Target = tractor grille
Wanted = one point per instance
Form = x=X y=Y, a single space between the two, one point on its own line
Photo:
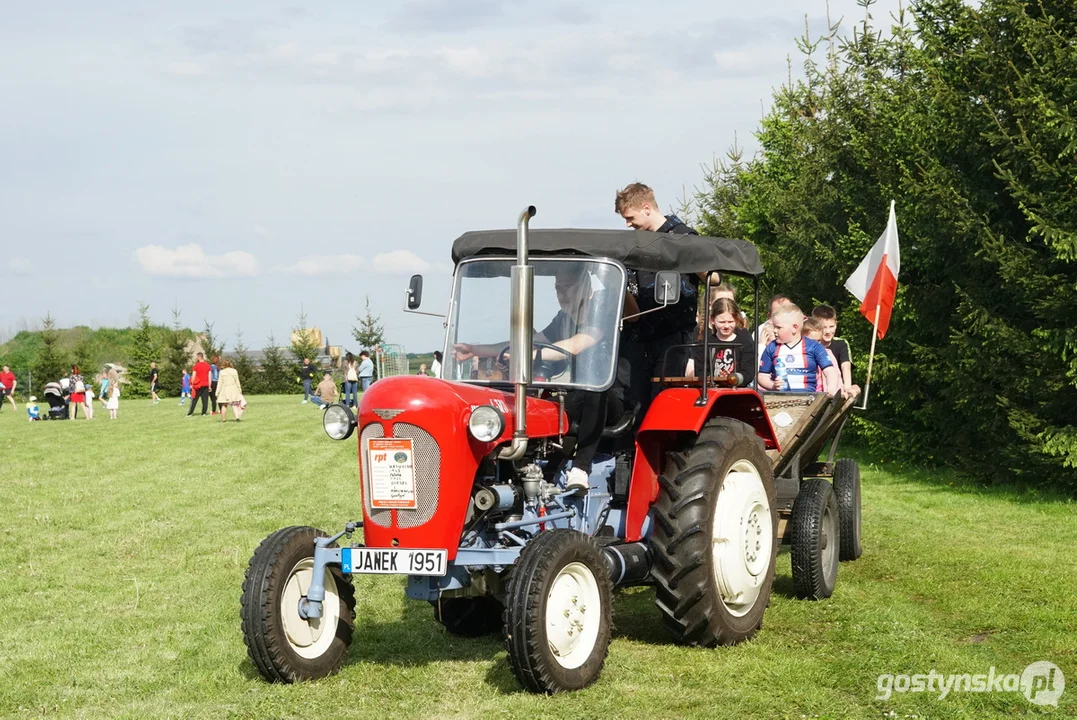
x=427 y=465
x=378 y=517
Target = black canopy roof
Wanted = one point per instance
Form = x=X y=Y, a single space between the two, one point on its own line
x=636 y=249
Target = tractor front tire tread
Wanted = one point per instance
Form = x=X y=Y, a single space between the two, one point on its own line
x=263 y=633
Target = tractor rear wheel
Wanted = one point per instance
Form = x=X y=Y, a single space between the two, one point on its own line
x=816 y=539
x=714 y=538
x=847 y=488
x=283 y=645
x=469 y=616
x=557 y=612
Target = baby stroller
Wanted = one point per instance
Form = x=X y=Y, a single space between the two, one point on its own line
x=57 y=400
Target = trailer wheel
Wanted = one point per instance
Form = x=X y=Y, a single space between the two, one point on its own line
x=557 y=612
x=816 y=539
x=284 y=646
x=469 y=616
x=847 y=488
x=714 y=539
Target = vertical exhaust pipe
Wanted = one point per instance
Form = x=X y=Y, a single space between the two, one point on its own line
x=520 y=339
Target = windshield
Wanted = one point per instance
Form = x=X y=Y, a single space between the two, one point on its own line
x=578 y=306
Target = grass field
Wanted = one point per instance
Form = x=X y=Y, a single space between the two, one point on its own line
x=124 y=546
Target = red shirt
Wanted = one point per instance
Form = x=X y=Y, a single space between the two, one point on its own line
x=200 y=377
x=7 y=379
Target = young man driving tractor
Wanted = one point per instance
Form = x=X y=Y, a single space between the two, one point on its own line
x=574 y=344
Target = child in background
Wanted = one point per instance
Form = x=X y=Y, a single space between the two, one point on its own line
x=102 y=394
x=113 y=400
x=185 y=388
x=32 y=409
x=828 y=323
x=89 y=401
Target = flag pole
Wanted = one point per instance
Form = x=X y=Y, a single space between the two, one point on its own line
x=871 y=355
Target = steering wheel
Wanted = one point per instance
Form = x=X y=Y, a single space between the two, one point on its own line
x=542 y=368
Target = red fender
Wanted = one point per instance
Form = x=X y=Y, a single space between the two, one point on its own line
x=675 y=411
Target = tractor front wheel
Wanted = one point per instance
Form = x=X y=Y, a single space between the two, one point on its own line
x=282 y=644
x=714 y=538
x=557 y=612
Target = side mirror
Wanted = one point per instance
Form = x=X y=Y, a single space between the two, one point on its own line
x=667 y=288
x=415 y=292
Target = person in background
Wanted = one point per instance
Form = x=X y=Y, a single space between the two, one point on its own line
x=325 y=393
x=153 y=383
x=229 y=392
x=366 y=370
x=78 y=391
x=102 y=392
x=422 y=370
x=214 y=377
x=200 y=384
x=185 y=386
x=7 y=388
x=113 y=404
x=827 y=317
x=32 y=409
x=88 y=404
x=351 y=380
x=306 y=375
x=435 y=367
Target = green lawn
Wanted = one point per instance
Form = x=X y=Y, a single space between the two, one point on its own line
x=124 y=546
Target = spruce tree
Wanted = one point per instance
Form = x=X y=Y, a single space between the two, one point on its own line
x=370 y=333
x=249 y=376
x=304 y=342
x=177 y=357
x=276 y=372
x=145 y=352
x=52 y=363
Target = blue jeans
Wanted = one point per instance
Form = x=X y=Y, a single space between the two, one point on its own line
x=350 y=390
x=366 y=382
x=306 y=389
x=318 y=401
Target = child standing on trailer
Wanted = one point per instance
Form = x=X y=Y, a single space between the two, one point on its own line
x=791 y=362
x=828 y=324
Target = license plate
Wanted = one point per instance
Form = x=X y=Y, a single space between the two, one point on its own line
x=393 y=561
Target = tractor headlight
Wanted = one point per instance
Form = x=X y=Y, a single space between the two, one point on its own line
x=486 y=423
x=338 y=421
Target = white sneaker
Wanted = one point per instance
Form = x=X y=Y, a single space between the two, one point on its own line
x=577 y=481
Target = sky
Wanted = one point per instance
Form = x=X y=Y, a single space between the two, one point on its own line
x=248 y=161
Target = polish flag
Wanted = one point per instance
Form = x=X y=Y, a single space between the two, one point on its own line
x=874 y=282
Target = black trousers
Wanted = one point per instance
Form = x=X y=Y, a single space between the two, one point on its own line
x=213 y=394
x=588 y=410
x=202 y=392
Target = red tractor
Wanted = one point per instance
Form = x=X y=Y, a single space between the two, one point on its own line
x=464 y=489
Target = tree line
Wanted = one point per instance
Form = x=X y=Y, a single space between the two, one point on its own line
x=967 y=117
x=172 y=348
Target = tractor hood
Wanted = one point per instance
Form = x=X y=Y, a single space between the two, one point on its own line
x=428 y=502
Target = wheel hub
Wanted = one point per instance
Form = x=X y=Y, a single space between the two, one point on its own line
x=572 y=615
x=742 y=534
x=308 y=637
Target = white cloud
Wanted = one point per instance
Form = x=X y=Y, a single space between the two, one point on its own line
x=184 y=68
x=325 y=264
x=403 y=262
x=191 y=261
